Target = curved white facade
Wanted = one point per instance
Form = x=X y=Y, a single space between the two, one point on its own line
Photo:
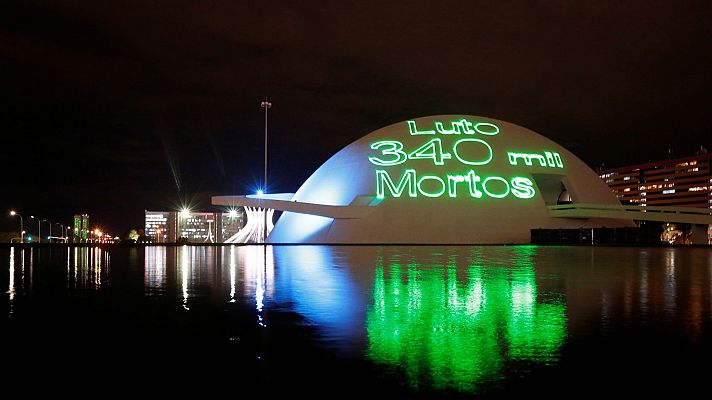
x=443 y=179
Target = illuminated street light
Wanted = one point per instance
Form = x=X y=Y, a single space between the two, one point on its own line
x=260 y=193
x=182 y=222
x=39 y=229
x=232 y=213
x=22 y=229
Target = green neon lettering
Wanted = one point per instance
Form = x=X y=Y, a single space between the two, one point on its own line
x=557 y=158
x=452 y=181
x=495 y=195
x=441 y=129
x=431 y=149
x=550 y=158
x=522 y=187
x=384 y=180
x=461 y=126
x=485 y=128
x=431 y=194
x=413 y=129
x=472 y=178
x=468 y=162
x=465 y=127
x=393 y=148
x=526 y=157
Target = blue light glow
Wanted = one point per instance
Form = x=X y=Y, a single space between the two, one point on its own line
x=300 y=228
x=260 y=192
x=319 y=289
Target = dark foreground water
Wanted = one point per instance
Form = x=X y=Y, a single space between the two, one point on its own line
x=358 y=320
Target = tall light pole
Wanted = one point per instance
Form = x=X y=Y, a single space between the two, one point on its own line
x=266 y=105
x=39 y=229
x=22 y=229
x=61 y=232
x=50 y=229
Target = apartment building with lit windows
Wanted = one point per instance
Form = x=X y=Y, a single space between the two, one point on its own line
x=679 y=182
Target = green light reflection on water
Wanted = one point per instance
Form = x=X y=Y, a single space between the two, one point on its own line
x=453 y=328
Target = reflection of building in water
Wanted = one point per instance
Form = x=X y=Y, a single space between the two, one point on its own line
x=461 y=329
x=154 y=272
x=192 y=227
x=88 y=268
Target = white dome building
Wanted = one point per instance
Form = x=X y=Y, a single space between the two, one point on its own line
x=445 y=179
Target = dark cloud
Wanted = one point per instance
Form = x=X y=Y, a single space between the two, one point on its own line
x=114 y=107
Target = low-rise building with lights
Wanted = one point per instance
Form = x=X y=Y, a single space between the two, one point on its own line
x=193 y=226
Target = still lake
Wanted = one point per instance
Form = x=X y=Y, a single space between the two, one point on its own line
x=425 y=321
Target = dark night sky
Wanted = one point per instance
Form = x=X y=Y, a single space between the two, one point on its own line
x=115 y=107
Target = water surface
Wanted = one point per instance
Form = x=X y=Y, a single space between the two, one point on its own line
x=441 y=321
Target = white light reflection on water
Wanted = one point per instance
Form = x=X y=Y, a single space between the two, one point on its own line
x=258 y=262
x=32 y=256
x=11 y=286
x=87 y=268
x=670 y=290
x=185 y=265
x=154 y=280
x=69 y=265
x=96 y=267
x=22 y=269
x=232 y=273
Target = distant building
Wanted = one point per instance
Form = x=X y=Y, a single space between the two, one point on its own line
x=161 y=226
x=81 y=227
x=679 y=182
x=193 y=226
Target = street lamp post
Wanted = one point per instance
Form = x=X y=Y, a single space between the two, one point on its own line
x=22 y=229
x=61 y=232
x=39 y=229
x=49 y=237
x=266 y=105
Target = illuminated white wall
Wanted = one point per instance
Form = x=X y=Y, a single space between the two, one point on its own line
x=433 y=215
